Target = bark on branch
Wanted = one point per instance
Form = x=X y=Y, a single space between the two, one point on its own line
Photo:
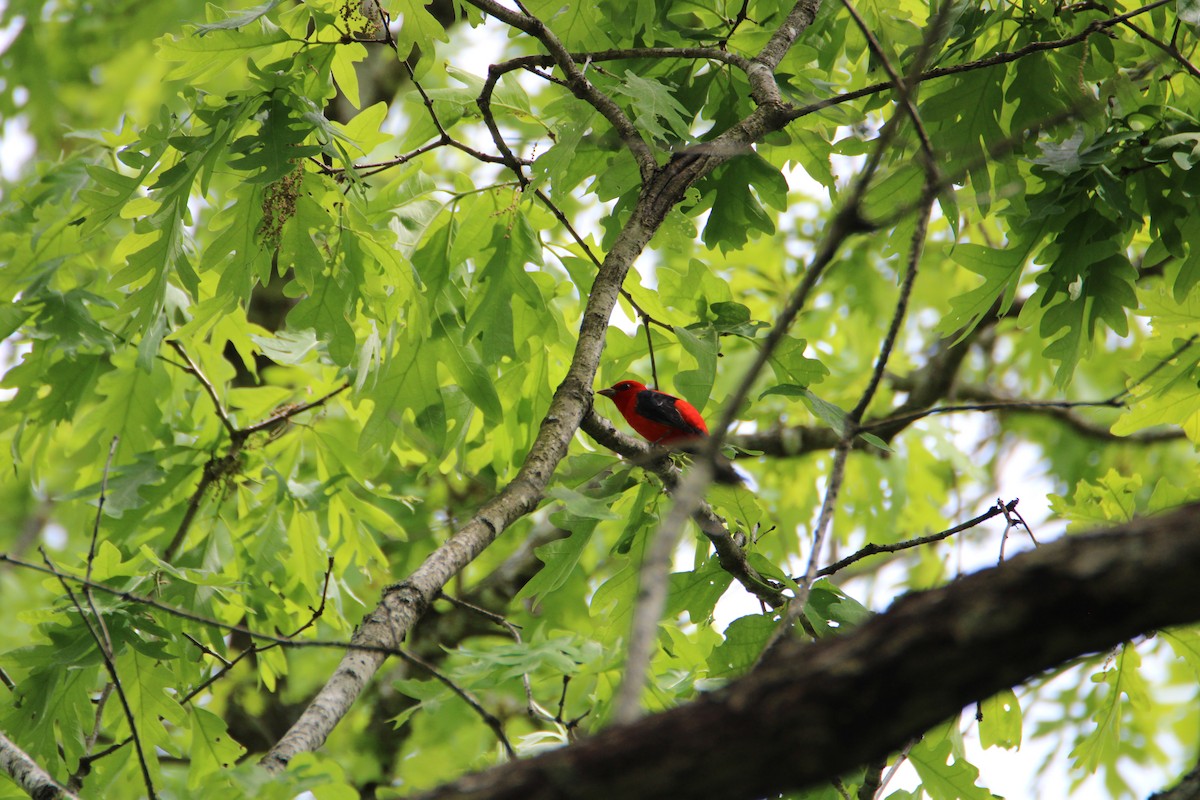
x=812 y=712
x=34 y=780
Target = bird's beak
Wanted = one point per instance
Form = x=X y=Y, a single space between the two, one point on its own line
x=607 y=392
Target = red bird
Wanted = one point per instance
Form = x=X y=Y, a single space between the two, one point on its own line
x=661 y=418
x=666 y=420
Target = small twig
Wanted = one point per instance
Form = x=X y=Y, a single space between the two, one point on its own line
x=1115 y=401
x=999 y=405
x=150 y=602
x=1081 y=425
x=217 y=468
x=1013 y=518
x=1169 y=49
x=730 y=555
x=796 y=605
x=583 y=245
x=562 y=698
x=489 y=719
x=193 y=368
x=982 y=63
x=320 y=609
x=902 y=86
x=75 y=782
x=1118 y=398
x=103 y=641
x=743 y=15
x=206 y=650
x=577 y=82
x=531 y=707
x=650 y=350
x=289 y=412
x=872 y=549
x=213 y=469
x=91 y=556
x=221 y=673
x=286 y=640
x=891 y=773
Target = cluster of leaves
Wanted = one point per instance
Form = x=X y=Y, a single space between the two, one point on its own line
x=216 y=234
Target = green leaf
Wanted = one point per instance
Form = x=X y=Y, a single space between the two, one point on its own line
x=581 y=505
x=1000 y=725
x=1117 y=690
x=53 y=709
x=1185 y=642
x=792 y=367
x=1000 y=270
x=652 y=102
x=559 y=559
x=238 y=20
x=735 y=318
x=273 y=153
x=198 y=59
x=150 y=693
x=701 y=344
x=419 y=28
x=471 y=376
x=503 y=279
x=365 y=129
x=745 y=639
x=326 y=309
x=697 y=592
x=823 y=410
x=739 y=189
x=943 y=775
x=288 y=347
x=577 y=24
x=833 y=611
x=212 y=750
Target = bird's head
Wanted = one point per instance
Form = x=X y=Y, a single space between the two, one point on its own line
x=623 y=389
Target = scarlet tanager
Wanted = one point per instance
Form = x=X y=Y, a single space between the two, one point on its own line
x=664 y=419
x=659 y=417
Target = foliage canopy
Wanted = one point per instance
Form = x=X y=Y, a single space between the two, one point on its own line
x=302 y=299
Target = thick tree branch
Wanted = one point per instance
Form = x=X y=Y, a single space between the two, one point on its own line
x=1188 y=788
x=32 y=779
x=814 y=711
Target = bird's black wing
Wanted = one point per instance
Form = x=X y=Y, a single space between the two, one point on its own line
x=661 y=408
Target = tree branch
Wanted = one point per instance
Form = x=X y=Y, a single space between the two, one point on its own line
x=731 y=556
x=814 y=711
x=576 y=81
x=983 y=63
x=26 y=773
x=872 y=549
